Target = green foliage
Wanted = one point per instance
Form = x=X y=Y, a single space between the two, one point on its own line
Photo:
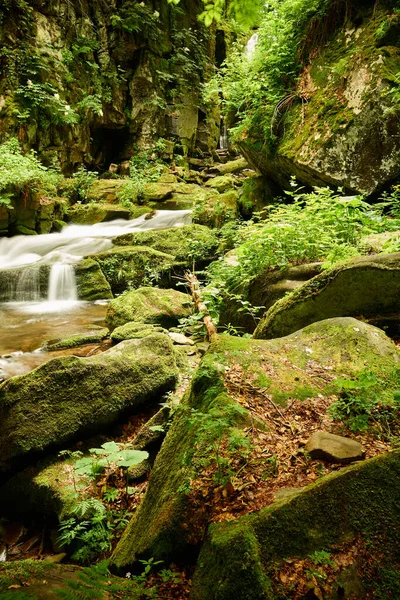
x=217 y=441
x=88 y=530
x=96 y=582
x=82 y=181
x=316 y=226
x=254 y=85
x=361 y=405
x=145 y=167
x=19 y=172
x=43 y=100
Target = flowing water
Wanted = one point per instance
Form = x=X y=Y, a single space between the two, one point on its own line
x=38 y=288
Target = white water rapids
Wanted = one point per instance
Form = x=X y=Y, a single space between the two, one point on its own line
x=40 y=302
x=76 y=241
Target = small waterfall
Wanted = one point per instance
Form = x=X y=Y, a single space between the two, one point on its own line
x=28 y=285
x=62 y=283
x=251 y=45
x=223 y=138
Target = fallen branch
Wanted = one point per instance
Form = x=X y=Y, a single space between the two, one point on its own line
x=201 y=307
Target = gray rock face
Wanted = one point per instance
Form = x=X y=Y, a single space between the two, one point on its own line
x=334 y=448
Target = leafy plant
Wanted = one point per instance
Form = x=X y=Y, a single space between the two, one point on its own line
x=88 y=529
x=362 y=405
x=217 y=440
x=23 y=173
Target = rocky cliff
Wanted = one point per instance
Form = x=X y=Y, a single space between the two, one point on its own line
x=92 y=81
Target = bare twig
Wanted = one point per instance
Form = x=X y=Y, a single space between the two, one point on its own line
x=201 y=307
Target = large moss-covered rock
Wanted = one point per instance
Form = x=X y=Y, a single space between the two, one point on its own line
x=366 y=286
x=71 y=397
x=126 y=267
x=262 y=292
x=346 y=133
x=283 y=369
x=149 y=305
x=91 y=336
x=89 y=214
x=45 y=490
x=90 y=281
x=217 y=210
x=182 y=243
x=132 y=331
x=242 y=559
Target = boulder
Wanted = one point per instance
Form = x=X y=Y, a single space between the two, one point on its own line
x=91 y=336
x=217 y=210
x=242 y=559
x=149 y=305
x=281 y=369
x=342 y=127
x=132 y=331
x=222 y=183
x=262 y=291
x=70 y=397
x=89 y=214
x=365 y=286
x=91 y=282
x=129 y=267
x=232 y=166
x=182 y=243
x=323 y=445
x=157 y=192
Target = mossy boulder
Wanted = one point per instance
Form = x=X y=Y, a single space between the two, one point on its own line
x=149 y=305
x=263 y=291
x=182 y=243
x=44 y=490
x=91 y=282
x=217 y=210
x=106 y=191
x=366 y=286
x=283 y=369
x=347 y=133
x=129 y=267
x=157 y=192
x=89 y=214
x=70 y=397
x=232 y=166
x=241 y=559
x=257 y=192
x=222 y=183
x=133 y=331
x=92 y=336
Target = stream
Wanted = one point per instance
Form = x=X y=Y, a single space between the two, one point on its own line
x=31 y=315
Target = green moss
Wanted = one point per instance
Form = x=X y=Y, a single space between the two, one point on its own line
x=70 y=397
x=365 y=286
x=182 y=243
x=360 y=500
x=127 y=268
x=149 y=305
x=91 y=282
x=81 y=339
x=89 y=214
x=48 y=489
x=21 y=570
x=166 y=525
x=132 y=330
x=217 y=210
